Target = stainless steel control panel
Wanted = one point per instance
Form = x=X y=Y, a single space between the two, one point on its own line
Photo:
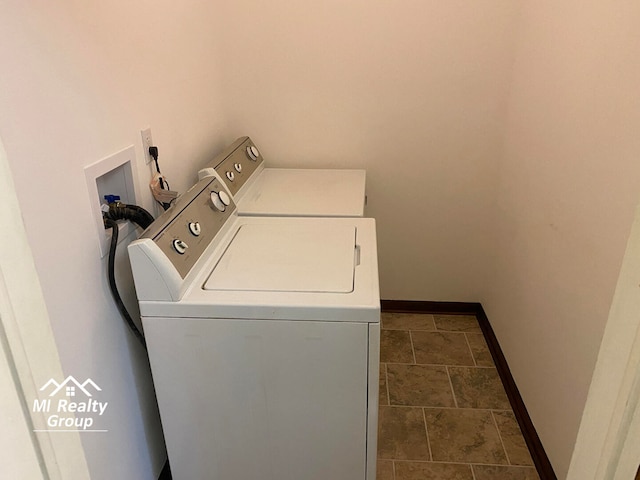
x=237 y=162
x=185 y=230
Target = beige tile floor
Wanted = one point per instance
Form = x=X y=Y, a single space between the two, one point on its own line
x=444 y=414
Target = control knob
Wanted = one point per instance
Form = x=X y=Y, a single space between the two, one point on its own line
x=179 y=246
x=230 y=175
x=220 y=200
x=195 y=229
x=253 y=153
x=238 y=167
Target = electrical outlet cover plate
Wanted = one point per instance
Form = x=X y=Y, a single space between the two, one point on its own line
x=113 y=175
x=147 y=141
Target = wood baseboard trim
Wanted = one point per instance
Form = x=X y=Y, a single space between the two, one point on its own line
x=538 y=454
x=417 y=306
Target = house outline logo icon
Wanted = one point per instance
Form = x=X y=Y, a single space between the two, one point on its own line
x=64 y=412
x=70 y=380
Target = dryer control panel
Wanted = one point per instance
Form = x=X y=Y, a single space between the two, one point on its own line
x=236 y=163
x=185 y=230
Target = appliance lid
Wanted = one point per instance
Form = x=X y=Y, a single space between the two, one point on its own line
x=305 y=192
x=288 y=258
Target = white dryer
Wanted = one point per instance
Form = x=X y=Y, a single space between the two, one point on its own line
x=263 y=336
x=261 y=191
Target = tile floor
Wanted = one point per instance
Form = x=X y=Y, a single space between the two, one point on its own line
x=444 y=414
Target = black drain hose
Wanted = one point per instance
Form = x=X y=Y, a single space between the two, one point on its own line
x=138 y=215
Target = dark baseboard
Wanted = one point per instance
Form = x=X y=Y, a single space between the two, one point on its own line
x=538 y=454
x=165 y=474
x=415 y=306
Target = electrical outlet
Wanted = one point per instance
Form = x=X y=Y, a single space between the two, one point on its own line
x=147 y=142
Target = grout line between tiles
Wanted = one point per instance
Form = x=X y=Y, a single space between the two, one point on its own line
x=441 y=365
x=501 y=440
x=453 y=392
x=386 y=383
x=398 y=329
x=450 y=408
x=413 y=350
x=475 y=362
x=433 y=322
x=393 y=469
x=426 y=430
x=452 y=462
x=473 y=472
x=524 y=467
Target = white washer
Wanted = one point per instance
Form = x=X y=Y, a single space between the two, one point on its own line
x=261 y=191
x=263 y=337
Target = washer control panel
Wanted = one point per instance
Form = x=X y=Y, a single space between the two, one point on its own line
x=185 y=230
x=237 y=162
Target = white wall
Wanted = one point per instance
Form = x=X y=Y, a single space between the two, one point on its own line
x=415 y=93
x=569 y=183
x=79 y=80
